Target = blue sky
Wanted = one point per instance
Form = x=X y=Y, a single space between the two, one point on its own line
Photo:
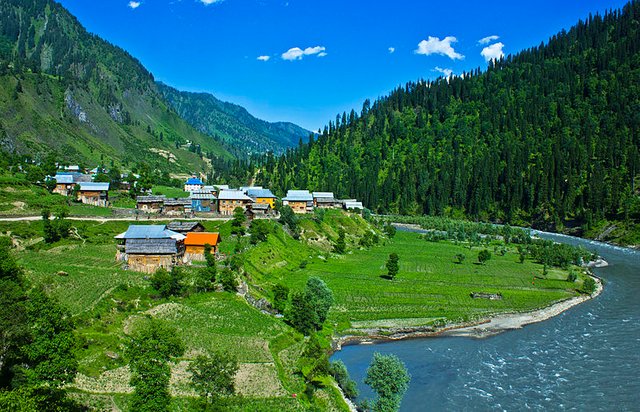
x=319 y=57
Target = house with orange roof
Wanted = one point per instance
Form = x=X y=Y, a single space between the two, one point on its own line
x=194 y=244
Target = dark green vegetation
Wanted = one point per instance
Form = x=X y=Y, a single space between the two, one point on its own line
x=37 y=354
x=548 y=137
x=227 y=122
x=388 y=377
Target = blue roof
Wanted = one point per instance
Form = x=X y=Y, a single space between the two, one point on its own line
x=91 y=186
x=63 y=178
x=264 y=193
x=194 y=181
x=298 y=196
x=148 y=232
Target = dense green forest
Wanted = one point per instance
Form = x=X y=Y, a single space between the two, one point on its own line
x=232 y=124
x=544 y=136
x=66 y=91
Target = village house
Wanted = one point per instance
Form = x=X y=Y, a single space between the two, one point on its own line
x=195 y=242
x=179 y=206
x=193 y=184
x=66 y=181
x=262 y=196
x=352 y=204
x=202 y=201
x=260 y=209
x=150 y=204
x=228 y=200
x=147 y=248
x=92 y=193
x=184 y=227
x=301 y=201
x=325 y=200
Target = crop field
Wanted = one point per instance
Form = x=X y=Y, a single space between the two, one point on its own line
x=106 y=301
x=429 y=285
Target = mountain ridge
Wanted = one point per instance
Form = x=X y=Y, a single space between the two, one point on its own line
x=211 y=116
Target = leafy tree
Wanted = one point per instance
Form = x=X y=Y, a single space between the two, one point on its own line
x=56 y=229
x=341 y=375
x=340 y=246
x=259 y=231
x=280 y=297
x=168 y=283
x=289 y=218
x=393 y=266
x=483 y=256
x=228 y=280
x=209 y=257
x=390 y=230
x=213 y=375
x=206 y=278
x=459 y=258
x=589 y=285
x=388 y=377
x=151 y=346
x=320 y=297
x=238 y=221
x=301 y=314
x=35 y=174
x=309 y=309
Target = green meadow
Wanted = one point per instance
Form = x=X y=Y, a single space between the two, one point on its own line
x=430 y=289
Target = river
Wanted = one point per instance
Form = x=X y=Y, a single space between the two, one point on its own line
x=587 y=358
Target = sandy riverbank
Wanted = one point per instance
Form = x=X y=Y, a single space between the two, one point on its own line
x=481 y=329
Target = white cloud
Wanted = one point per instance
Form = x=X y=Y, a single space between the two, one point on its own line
x=296 y=53
x=392 y=49
x=446 y=72
x=264 y=58
x=208 y=2
x=493 y=52
x=488 y=39
x=433 y=45
x=134 y=4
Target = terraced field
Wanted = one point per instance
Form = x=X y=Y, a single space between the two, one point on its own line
x=430 y=285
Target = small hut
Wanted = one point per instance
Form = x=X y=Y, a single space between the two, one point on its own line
x=194 y=245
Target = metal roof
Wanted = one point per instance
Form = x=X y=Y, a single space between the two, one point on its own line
x=247 y=188
x=63 y=179
x=201 y=195
x=222 y=187
x=260 y=206
x=328 y=195
x=94 y=186
x=194 y=181
x=178 y=202
x=151 y=246
x=149 y=232
x=298 y=196
x=233 y=195
x=353 y=205
x=200 y=238
x=183 y=226
x=151 y=199
x=263 y=193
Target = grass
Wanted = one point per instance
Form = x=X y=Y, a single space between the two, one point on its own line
x=169 y=191
x=106 y=300
x=429 y=286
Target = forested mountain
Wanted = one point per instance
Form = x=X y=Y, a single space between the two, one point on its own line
x=231 y=123
x=548 y=134
x=65 y=90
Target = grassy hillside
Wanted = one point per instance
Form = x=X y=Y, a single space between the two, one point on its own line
x=430 y=290
x=65 y=90
x=233 y=124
